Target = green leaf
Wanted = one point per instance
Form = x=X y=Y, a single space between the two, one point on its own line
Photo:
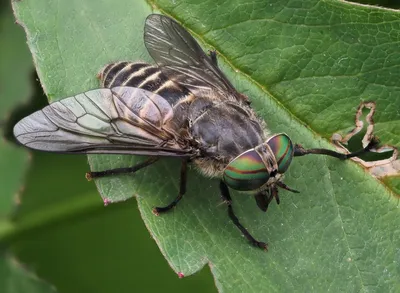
x=15 y=64
x=12 y=170
x=306 y=65
x=15 y=278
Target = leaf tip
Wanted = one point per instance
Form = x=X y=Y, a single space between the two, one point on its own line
x=106 y=201
x=180 y=275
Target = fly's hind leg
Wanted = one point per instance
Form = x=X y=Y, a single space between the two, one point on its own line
x=182 y=191
x=228 y=200
x=111 y=172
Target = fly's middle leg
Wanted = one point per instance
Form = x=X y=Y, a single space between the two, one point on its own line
x=182 y=191
x=98 y=174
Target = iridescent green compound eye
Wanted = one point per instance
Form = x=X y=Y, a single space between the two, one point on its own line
x=246 y=172
x=283 y=150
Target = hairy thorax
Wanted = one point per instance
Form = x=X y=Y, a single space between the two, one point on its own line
x=222 y=131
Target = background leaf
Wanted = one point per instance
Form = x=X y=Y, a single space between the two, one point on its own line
x=14 y=278
x=306 y=66
x=15 y=63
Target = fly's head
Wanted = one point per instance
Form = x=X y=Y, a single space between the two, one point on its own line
x=257 y=169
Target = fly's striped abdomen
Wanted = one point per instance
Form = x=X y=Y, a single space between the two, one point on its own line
x=144 y=76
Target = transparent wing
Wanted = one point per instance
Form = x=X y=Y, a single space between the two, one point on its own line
x=121 y=120
x=181 y=58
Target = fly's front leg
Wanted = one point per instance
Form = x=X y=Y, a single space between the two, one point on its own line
x=90 y=175
x=300 y=151
x=182 y=191
x=228 y=200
